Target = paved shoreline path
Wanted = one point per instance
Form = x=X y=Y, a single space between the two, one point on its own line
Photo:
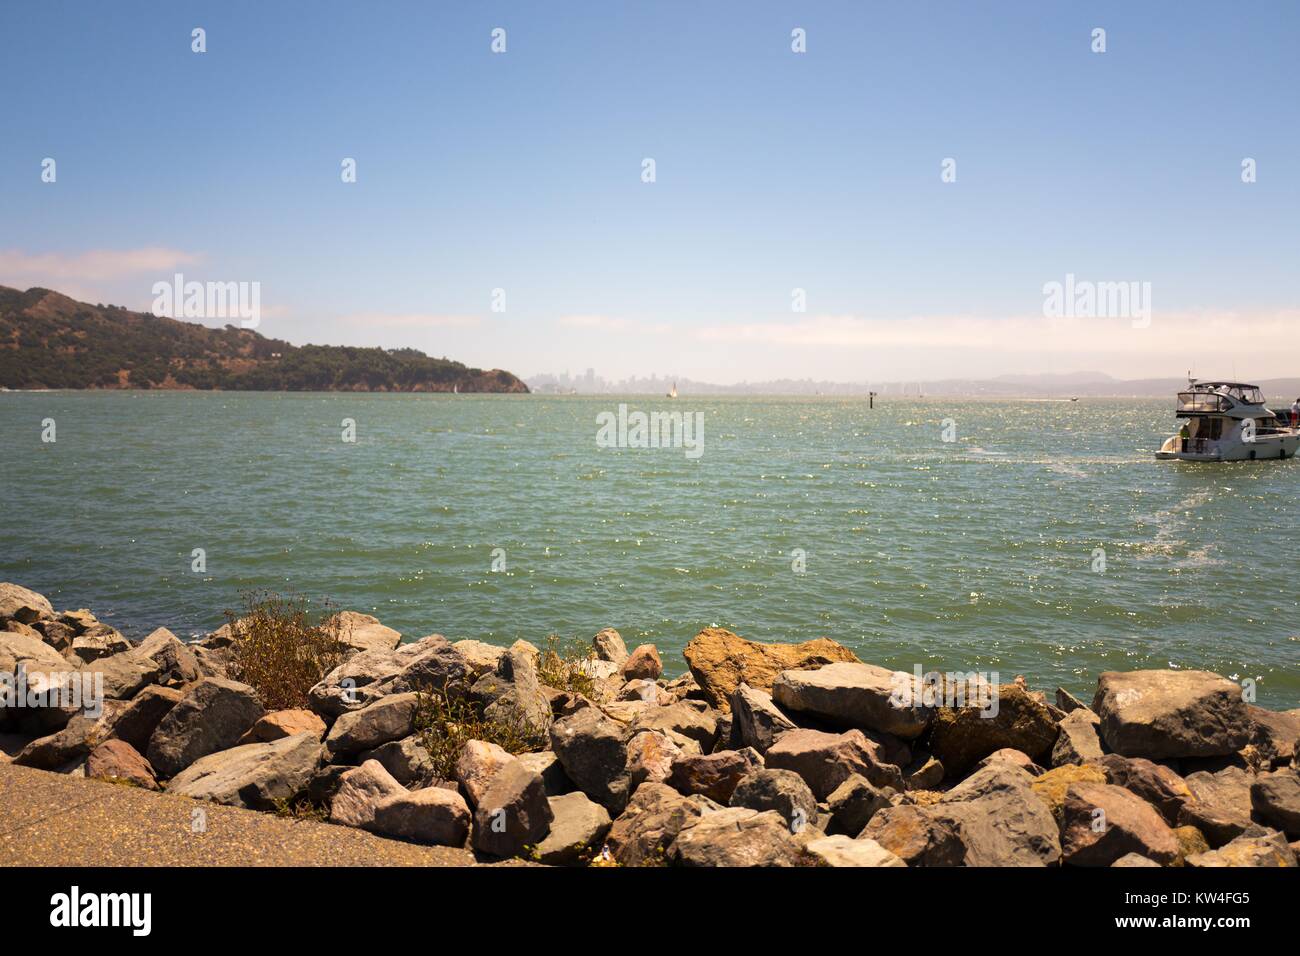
x=50 y=819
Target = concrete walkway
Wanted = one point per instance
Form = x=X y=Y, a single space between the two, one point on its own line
x=51 y=819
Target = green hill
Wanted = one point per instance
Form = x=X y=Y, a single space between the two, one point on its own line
x=48 y=340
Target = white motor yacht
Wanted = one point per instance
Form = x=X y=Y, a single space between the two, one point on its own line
x=1228 y=421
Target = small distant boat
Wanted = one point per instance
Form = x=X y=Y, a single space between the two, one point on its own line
x=1074 y=399
x=1228 y=421
x=455 y=390
x=673 y=393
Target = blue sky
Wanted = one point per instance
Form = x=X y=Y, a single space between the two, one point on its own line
x=775 y=171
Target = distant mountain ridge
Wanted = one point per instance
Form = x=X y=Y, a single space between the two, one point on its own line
x=48 y=340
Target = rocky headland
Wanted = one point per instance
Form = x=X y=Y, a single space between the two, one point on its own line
x=758 y=755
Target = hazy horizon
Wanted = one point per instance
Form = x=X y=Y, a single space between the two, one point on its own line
x=783 y=180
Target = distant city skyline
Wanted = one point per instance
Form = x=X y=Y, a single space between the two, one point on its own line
x=895 y=203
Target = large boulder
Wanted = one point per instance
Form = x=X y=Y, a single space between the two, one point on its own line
x=522 y=702
x=714 y=775
x=407 y=760
x=842 y=850
x=1171 y=714
x=476 y=764
x=35 y=654
x=81 y=735
x=609 y=646
x=917 y=835
x=1052 y=786
x=783 y=791
x=1274 y=734
x=852 y=805
x=721 y=661
x=755 y=720
x=22 y=604
x=1266 y=848
x=737 y=836
x=359 y=790
x=513 y=813
x=578 y=827
x=428 y=664
x=650 y=757
x=212 y=716
x=853 y=694
x=175 y=661
x=683 y=719
x=362 y=632
x=548 y=765
x=1101 y=823
x=118 y=761
x=124 y=675
x=433 y=815
x=141 y=716
x=999 y=819
x=592 y=748
x=256 y=776
x=826 y=760
x=1275 y=798
x=1153 y=782
x=1222 y=806
x=656 y=814
x=1077 y=740
x=388 y=718
x=963 y=736
x=279 y=724
x=643 y=663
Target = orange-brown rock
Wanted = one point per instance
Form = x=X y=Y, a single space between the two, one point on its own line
x=721 y=661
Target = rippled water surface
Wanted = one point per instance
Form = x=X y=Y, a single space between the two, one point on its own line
x=977 y=553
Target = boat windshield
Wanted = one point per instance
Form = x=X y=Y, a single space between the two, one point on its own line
x=1247 y=393
x=1201 y=402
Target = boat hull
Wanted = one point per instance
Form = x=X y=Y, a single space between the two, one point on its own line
x=1264 y=448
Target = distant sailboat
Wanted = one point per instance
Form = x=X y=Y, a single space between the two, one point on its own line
x=455 y=390
x=673 y=393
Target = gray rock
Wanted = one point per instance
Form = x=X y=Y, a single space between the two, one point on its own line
x=513 y=813
x=1222 y=806
x=1275 y=798
x=434 y=815
x=845 y=851
x=389 y=718
x=22 y=604
x=1077 y=740
x=998 y=818
x=578 y=827
x=1156 y=784
x=547 y=764
x=255 y=776
x=737 y=836
x=682 y=719
x=124 y=675
x=476 y=764
x=783 y=791
x=1101 y=823
x=1134 y=859
x=16 y=649
x=362 y=632
x=1264 y=848
x=1067 y=701
x=428 y=664
x=592 y=750
x=756 y=720
x=656 y=814
x=858 y=695
x=852 y=805
x=406 y=759
x=1274 y=734
x=609 y=646
x=76 y=740
x=522 y=702
x=1163 y=714
x=141 y=716
x=826 y=760
x=98 y=641
x=359 y=791
x=175 y=661
x=212 y=716
x=714 y=775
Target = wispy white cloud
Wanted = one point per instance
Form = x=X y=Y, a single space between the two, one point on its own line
x=609 y=323
x=410 y=320
x=18 y=267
